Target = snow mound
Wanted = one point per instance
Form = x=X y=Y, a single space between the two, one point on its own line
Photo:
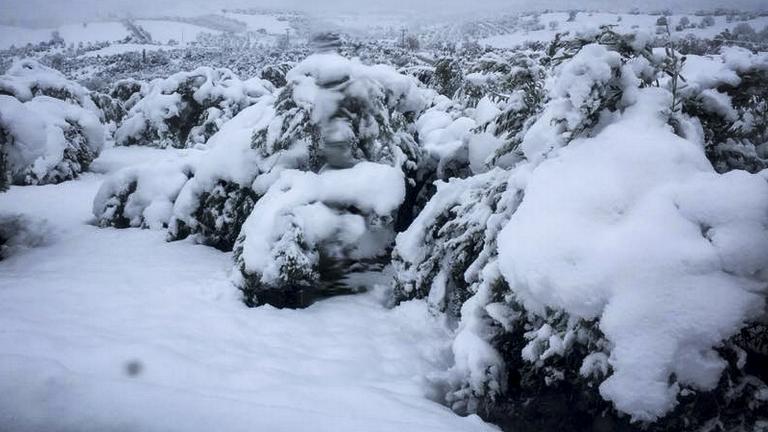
x=187 y=108
x=668 y=255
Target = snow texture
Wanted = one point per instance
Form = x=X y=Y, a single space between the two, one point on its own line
x=187 y=108
x=695 y=270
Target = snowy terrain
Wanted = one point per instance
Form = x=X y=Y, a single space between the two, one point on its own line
x=89 y=343
x=276 y=220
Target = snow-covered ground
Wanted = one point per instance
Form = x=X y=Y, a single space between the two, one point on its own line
x=256 y=22
x=163 y=31
x=104 y=329
x=106 y=31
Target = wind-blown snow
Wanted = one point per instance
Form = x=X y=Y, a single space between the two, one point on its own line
x=109 y=329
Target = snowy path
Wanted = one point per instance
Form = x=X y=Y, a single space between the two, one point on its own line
x=76 y=312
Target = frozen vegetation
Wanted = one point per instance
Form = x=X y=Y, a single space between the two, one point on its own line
x=567 y=232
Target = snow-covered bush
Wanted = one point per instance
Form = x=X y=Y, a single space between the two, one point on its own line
x=349 y=122
x=127 y=91
x=304 y=219
x=691 y=278
x=112 y=110
x=726 y=96
x=275 y=73
x=49 y=126
x=141 y=196
x=448 y=76
x=187 y=108
x=215 y=202
x=27 y=79
x=46 y=140
x=610 y=266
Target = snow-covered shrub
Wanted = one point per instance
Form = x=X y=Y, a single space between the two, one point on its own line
x=47 y=140
x=26 y=79
x=351 y=123
x=343 y=112
x=275 y=74
x=610 y=275
x=141 y=196
x=127 y=91
x=448 y=76
x=726 y=96
x=112 y=110
x=305 y=218
x=215 y=202
x=49 y=126
x=187 y=108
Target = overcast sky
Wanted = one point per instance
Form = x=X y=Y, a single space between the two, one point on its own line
x=41 y=12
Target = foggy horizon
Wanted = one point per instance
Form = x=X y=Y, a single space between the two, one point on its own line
x=40 y=13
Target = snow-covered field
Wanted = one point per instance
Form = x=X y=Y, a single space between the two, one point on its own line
x=72 y=34
x=164 y=31
x=257 y=22
x=106 y=329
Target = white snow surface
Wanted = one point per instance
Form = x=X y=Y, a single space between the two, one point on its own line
x=108 y=329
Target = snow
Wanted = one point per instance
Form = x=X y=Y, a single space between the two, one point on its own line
x=163 y=31
x=256 y=22
x=109 y=329
x=587 y=22
x=18 y=36
x=92 y=32
x=369 y=187
x=126 y=48
x=217 y=92
x=691 y=276
x=38 y=136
